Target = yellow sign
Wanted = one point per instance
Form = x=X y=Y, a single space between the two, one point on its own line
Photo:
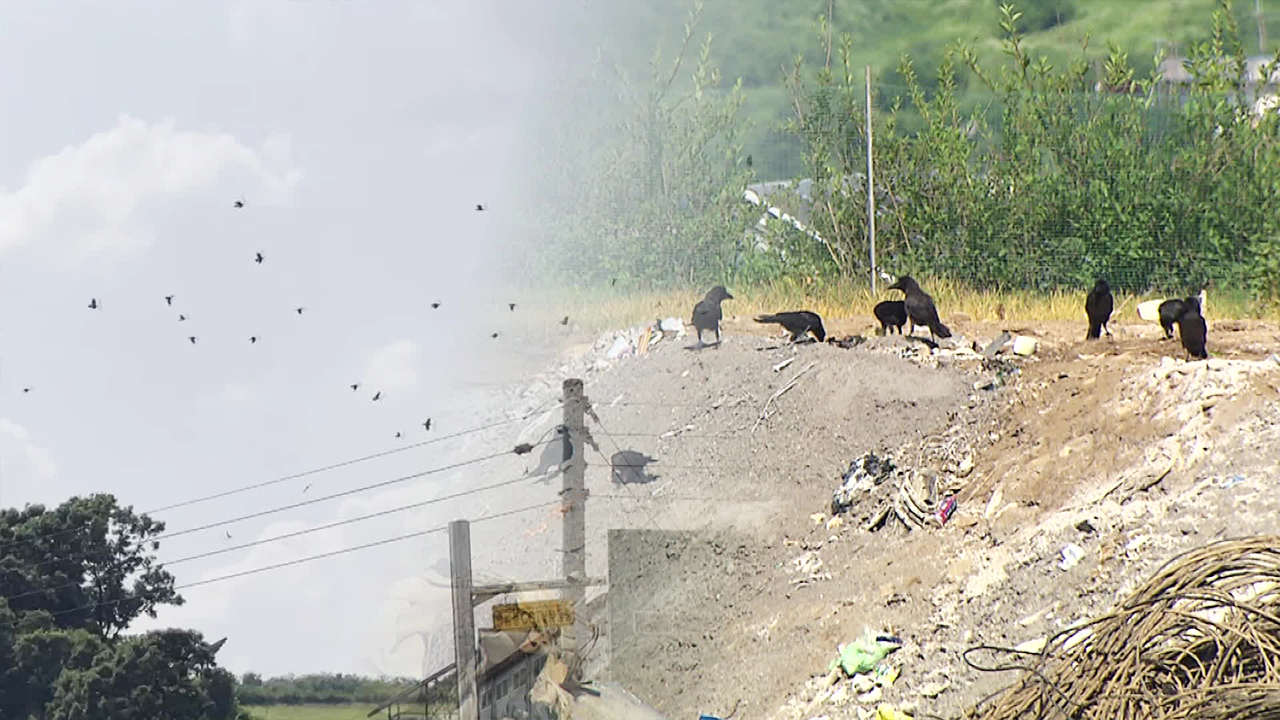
x=530 y=615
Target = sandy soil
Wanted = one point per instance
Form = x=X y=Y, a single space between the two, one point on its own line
x=1118 y=445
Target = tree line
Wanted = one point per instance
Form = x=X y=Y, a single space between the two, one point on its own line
x=333 y=689
x=1048 y=176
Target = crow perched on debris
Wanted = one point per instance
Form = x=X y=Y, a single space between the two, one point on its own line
x=1192 y=329
x=707 y=315
x=798 y=323
x=891 y=314
x=1170 y=310
x=1098 y=306
x=920 y=307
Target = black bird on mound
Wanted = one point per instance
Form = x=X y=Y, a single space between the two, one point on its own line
x=707 y=315
x=891 y=314
x=1098 y=306
x=798 y=323
x=1192 y=329
x=920 y=307
x=1170 y=310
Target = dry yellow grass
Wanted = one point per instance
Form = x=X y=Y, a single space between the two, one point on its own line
x=598 y=310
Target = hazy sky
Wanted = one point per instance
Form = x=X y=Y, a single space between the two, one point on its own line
x=360 y=134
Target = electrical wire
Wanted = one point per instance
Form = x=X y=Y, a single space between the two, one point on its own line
x=297 y=533
x=297 y=561
x=295 y=476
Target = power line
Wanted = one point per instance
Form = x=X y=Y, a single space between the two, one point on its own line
x=286 y=536
x=591 y=411
x=298 y=561
x=296 y=476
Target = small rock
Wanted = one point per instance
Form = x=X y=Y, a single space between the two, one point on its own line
x=1072 y=554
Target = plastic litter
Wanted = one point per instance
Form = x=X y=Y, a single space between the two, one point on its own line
x=863 y=475
x=888 y=712
x=1072 y=554
x=863 y=655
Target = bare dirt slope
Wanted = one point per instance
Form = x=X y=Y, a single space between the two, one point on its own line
x=1119 y=446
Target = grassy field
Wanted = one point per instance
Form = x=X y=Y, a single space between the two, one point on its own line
x=600 y=310
x=352 y=711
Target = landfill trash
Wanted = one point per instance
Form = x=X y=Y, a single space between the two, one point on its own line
x=834 y=523
x=863 y=475
x=863 y=655
x=1072 y=554
x=671 y=325
x=848 y=342
x=621 y=348
x=888 y=712
x=934 y=688
x=995 y=346
x=1024 y=345
x=1150 y=310
x=948 y=507
x=1232 y=481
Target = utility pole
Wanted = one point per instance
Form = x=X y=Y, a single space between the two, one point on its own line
x=1262 y=30
x=464 y=619
x=574 y=496
x=871 y=190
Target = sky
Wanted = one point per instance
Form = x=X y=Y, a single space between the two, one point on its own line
x=360 y=134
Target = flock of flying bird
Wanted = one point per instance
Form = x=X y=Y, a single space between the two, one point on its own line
x=259 y=258
x=918 y=308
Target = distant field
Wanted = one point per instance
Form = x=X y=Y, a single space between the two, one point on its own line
x=352 y=711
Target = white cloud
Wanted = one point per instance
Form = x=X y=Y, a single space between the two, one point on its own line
x=85 y=202
x=26 y=470
x=394 y=367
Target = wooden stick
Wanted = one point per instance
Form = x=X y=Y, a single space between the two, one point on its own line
x=765 y=411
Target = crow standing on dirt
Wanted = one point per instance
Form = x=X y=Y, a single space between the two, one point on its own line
x=1098 y=306
x=707 y=315
x=1192 y=329
x=891 y=314
x=1170 y=310
x=798 y=323
x=920 y=307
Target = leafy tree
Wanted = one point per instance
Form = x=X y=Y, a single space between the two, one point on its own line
x=72 y=578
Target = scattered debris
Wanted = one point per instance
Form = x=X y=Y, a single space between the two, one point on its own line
x=1024 y=345
x=863 y=475
x=1072 y=554
x=764 y=412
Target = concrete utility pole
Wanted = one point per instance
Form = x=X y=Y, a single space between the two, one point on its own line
x=574 y=495
x=464 y=619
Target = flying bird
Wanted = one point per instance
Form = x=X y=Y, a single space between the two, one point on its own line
x=427 y=425
x=920 y=307
x=494 y=336
x=258 y=258
x=192 y=338
x=93 y=303
x=512 y=306
x=239 y=203
x=435 y=305
x=181 y=317
x=299 y=310
x=891 y=314
x=613 y=281
x=565 y=321
x=253 y=339
x=799 y=323
x=377 y=396
x=1098 y=306
x=355 y=386
x=1170 y=310
x=26 y=390
x=707 y=314
x=228 y=534
x=399 y=434
x=168 y=299
x=480 y=208
x=308 y=487
x=1192 y=329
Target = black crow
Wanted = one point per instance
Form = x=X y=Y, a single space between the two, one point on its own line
x=427 y=425
x=480 y=207
x=299 y=310
x=168 y=299
x=1192 y=329
x=192 y=338
x=494 y=336
x=26 y=390
x=377 y=396
x=253 y=339
x=435 y=305
x=707 y=315
x=891 y=314
x=798 y=323
x=920 y=307
x=239 y=203
x=355 y=386
x=1170 y=310
x=308 y=487
x=1098 y=306
x=93 y=303
x=628 y=467
x=613 y=282
x=258 y=258
x=399 y=434
x=512 y=306
x=228 y=534
x=181 y=318
x=565 y=321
